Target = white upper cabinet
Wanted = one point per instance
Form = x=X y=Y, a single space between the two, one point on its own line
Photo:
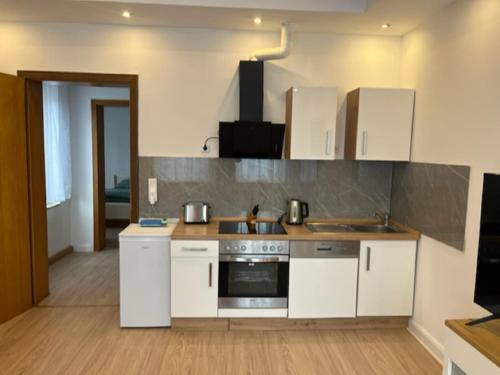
x=311 y=116
x=379 y=124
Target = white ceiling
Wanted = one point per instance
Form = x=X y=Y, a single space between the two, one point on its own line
x=300 y=5
x=338 y=16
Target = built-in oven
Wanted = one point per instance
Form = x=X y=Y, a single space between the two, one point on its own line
x=253 y=274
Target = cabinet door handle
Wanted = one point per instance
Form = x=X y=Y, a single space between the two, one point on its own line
x=368 y=257
x=195 y=249
x=210 y=274
x=328 y=143
x=324 y=249
x=365 y=142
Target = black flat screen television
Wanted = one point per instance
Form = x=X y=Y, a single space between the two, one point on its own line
x=487 y=290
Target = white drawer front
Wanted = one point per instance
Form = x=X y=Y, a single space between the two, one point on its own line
x=195 y=249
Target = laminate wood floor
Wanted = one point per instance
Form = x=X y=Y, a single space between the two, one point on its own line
x=88 y=340
x=84 y=279
x=76 y=331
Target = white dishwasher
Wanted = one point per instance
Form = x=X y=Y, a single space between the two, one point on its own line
x=323 y=279
x=145 y=276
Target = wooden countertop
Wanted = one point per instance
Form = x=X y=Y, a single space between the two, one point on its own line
x=485 y=337
x=294 y=232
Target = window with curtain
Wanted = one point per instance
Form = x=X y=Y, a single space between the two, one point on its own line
x=57 y=143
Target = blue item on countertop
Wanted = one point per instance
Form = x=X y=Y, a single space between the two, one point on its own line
x=152 y=222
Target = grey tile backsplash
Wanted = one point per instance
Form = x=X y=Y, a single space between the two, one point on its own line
x=346 y=189
x=432 y=198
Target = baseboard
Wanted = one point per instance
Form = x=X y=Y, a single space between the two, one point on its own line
x=117 y=223
x=60 y=254
x=82 y=248
x=429 y=342
x=284 y=324
x=252 y=313
x=200 y=324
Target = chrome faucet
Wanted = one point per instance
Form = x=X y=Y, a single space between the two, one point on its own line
x=384 y=218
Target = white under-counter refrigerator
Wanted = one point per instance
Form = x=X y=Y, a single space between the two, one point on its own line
x=145 y=276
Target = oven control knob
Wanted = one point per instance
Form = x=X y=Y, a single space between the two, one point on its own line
x=273 y=248
x=228 y=247
x=243 y=248
x=236 y=247
x=280 y=248
x=264 y=248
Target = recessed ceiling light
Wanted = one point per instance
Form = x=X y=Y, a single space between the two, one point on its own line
x=385 y=25
x=257 y=20
x=126 y=14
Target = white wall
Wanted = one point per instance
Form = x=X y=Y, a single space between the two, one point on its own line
x=81 y=160
x=59 y=227
x=116 y=144
x=188 y=77
x=452 y=62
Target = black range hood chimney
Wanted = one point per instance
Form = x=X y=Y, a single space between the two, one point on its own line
x=251 y=137
x=251 y=75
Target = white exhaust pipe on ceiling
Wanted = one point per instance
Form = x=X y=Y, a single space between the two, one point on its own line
x=275 y=53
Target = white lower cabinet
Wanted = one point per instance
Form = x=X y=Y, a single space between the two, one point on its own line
x=386 y=278
x=322 y=288
x=195 y=275
x=323 y=279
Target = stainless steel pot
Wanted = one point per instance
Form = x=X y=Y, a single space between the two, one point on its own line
x=196 y=212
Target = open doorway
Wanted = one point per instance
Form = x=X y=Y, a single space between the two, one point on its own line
x=105 y=263
x=85 y=139
x=111 y=170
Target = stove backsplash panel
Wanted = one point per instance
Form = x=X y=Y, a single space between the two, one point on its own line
x=343 y=189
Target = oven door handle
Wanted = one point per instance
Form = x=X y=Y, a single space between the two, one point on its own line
x=232 y=258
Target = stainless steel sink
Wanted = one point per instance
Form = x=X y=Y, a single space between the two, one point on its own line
x=329 y=228
x=346 y=228
x=375 y=228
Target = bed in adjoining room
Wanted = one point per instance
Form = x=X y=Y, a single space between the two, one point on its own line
x=118 y=202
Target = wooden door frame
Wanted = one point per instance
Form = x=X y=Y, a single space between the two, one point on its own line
x=98 y=168
x=38 y=217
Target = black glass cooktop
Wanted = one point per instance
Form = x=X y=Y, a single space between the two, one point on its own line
x=241 y=227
